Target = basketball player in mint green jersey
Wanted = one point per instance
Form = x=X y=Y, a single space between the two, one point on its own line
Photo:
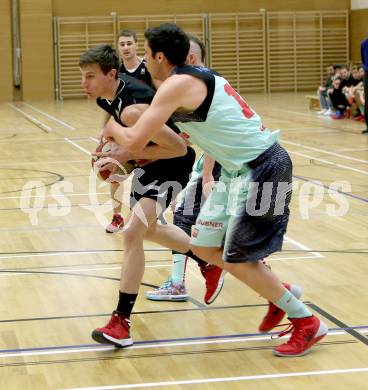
x=205 y=173
x=246 y=215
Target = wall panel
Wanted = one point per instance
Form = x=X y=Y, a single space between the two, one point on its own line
x=358 y=32
x=237 y=49
x=149 y=7
x=37 y=49
x=192 y=23
x=74 y=36
x=301 y=44
x=6 y=73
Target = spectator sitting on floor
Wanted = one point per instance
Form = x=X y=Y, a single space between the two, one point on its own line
x=337 y=96
x=325 y=102
x=357 y=75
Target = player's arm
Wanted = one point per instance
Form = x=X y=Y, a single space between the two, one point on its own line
x=207 y=177
x=141 y=132
x=175 y=92
x=106 y=118
x=168 y=143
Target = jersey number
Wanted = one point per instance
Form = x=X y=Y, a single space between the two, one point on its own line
x=247 y=111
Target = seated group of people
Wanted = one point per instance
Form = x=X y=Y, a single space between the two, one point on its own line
x=342 y=95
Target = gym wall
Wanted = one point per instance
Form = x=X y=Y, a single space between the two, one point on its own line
x=37 y=49
x=37 y=37
x=6 y=74
x=358 y=32
x=149 y=7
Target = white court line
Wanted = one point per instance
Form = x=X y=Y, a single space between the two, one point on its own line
x=99 y=252
x=301 y=246
x=329 y=162
x=50 y=254
x=14 y=141
x=42 y=162
x=53 y=196
x=293 y=112
x=227 y=379
x=77 y=146
x=325 y=151
x=75 y=270
x=109 y=268
x=31 y=118
x=73 y=253
x=157 y=345
x=49 y=116
x=294 y=258
x=94 y=139
x=353 y=150
x=296 y=243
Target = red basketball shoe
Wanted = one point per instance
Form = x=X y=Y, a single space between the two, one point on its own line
x=116 y=224
x=214 y=281
x=116 y=332
x=305 y=333
x=274 y=314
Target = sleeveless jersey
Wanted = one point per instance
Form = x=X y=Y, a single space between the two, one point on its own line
x=130 y=91
x=224 y=126
x=141 y=73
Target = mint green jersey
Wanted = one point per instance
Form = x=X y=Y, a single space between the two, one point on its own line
x=231 y=133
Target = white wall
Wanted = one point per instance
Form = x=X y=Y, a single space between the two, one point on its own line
x=359 y=4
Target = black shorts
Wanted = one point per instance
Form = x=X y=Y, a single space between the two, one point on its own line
x=254 y=237
x=187 y=210
x=162 y=180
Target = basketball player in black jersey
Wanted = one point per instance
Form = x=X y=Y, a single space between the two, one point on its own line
x=133 y=66
x=156 y=183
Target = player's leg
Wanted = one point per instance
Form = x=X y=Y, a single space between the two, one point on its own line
x=117 y=331
x=117 y=222
x=173 y=237
x=365 y=84
x=173 y=289
x=262 y=280
x=251 y=236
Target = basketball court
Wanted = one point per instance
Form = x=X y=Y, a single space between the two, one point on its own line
x=60 y=271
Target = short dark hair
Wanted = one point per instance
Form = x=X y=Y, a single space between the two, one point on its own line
x=103 y=55
x=128 y=33
x=169 y=39
x=194 y=38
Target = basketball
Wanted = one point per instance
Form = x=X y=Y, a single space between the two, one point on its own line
x=124 y=168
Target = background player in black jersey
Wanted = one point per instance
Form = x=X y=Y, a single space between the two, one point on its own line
x=131 y=64
x=134 y=66
x=153 y=185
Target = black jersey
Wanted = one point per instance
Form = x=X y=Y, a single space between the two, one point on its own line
x=130 y=91
x=141 y=73
x=151 y=180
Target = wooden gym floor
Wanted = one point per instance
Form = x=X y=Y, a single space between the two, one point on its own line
x=59 y=270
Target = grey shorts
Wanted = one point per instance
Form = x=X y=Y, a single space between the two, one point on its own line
x=248 y=211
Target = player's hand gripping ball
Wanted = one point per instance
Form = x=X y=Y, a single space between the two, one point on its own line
x=116 y=168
